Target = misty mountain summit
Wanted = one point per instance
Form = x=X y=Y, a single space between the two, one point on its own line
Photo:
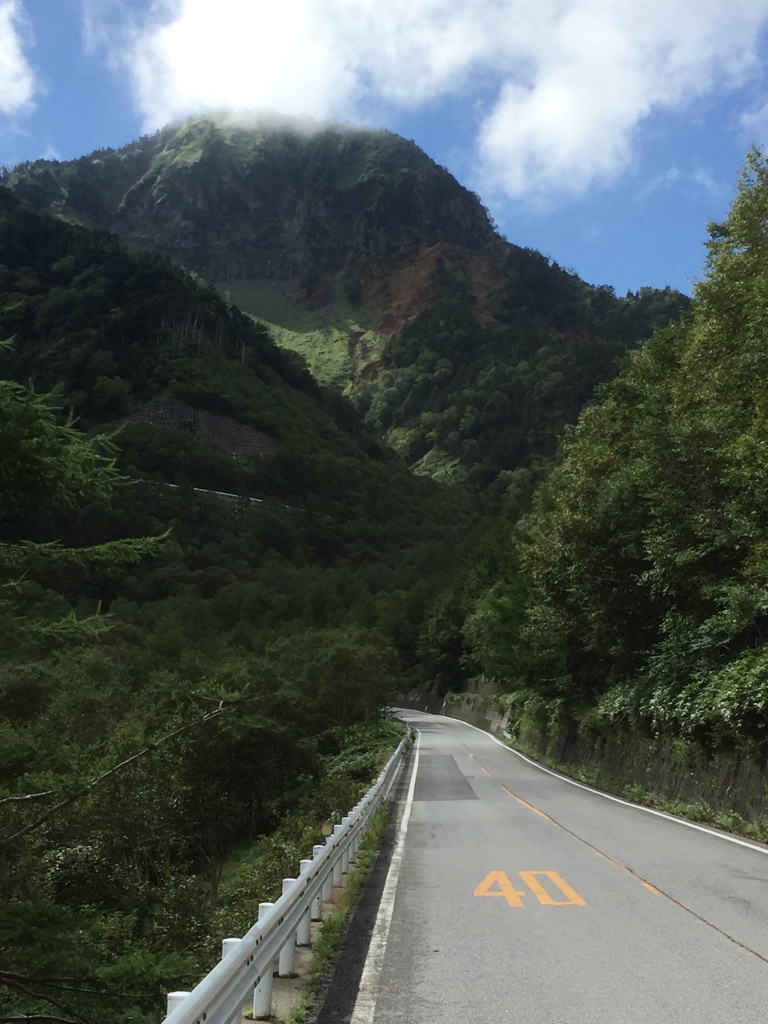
x=356 y=250
x=273 y=199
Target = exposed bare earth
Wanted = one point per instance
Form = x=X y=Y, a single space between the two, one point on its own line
x=396 y=297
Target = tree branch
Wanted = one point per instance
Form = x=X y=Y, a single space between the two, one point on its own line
x=73 y=1014
x=62 y=984
x=27 y=979
x=26 y=796
x=29 y=1018
x=112 y=771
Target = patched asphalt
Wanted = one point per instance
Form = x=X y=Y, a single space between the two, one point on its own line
x=521 y=897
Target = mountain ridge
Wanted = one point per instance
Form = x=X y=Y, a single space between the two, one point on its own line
x=342 y=241
x=375 y=191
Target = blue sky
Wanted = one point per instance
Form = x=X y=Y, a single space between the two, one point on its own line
x=605 y=135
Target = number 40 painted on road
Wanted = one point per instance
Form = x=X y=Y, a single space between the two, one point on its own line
x=498 y=884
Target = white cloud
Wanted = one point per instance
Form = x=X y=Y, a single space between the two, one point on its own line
x=569 y=80
x=603 y=68
x=17 y=81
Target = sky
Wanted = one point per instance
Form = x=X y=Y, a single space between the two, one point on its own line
x=606 y=134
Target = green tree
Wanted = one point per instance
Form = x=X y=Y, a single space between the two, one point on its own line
x=334 y=678
x=646 y=550
x=46 y=469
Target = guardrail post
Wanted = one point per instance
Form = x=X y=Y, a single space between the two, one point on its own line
x=354 y=842
x=174 y=999
x=317 y=905
x=288 y=952
x=337 y=862
x=262 y=990
x=227 y=946
x=346 y=850
x=304 y=933
x=329 y=882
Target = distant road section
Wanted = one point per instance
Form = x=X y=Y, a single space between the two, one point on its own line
x=517 y=896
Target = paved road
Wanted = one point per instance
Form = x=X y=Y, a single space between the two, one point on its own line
x=516 y=896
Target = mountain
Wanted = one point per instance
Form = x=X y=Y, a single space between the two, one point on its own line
x=317 y=212
x=468 y=353
x=273 y=572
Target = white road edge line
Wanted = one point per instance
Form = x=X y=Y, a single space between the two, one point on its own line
x=609 y=796
x=365 y=1004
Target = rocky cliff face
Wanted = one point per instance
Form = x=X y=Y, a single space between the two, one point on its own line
x=233 y=202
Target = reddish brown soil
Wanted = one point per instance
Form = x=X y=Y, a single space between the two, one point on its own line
x=396 y=296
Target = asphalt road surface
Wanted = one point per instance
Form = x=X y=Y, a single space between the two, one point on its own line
x=514 y=895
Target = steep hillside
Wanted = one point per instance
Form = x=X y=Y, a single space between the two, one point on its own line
x=360 y=253
x=179 y=669
x=200 y=397
x=286 y=202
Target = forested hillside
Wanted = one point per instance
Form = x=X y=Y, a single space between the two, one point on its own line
x=467 y=353
x=177 y=670
x=485 y=401
x=631 y=604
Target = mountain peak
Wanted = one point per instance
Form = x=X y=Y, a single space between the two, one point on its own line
x=234 y=196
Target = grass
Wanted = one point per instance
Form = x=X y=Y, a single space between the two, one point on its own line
x=326 y=353
x=440 y=466
x=336 y=342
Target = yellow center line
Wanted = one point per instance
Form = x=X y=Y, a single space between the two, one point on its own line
x=524 y=803
x=624 y=867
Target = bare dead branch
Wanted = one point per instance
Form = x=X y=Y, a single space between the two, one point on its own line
x=73 y=1014
x=26 y=796
x=112 y=771
x=36 y=1018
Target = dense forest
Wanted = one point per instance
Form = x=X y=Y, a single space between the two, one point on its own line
x=481 y=397
x=178 y=668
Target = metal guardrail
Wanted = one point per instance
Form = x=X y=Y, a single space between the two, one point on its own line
x=244 y=975
x=240 y=501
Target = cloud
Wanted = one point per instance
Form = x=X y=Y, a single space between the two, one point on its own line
x=17 y=81
x=561 y=86
x=684 y=182
x=754 y=125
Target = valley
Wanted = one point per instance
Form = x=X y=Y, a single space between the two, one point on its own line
x=513 y=484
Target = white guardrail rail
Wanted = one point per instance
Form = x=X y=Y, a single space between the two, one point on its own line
x=243 y=977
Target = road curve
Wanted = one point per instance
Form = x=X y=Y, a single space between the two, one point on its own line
x=514 y=895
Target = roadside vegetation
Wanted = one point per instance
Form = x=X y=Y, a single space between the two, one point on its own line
x=628 y=607
x=180 y=678
x=609 y=782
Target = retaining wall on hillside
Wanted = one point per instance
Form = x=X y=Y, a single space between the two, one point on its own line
x=668 y=766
